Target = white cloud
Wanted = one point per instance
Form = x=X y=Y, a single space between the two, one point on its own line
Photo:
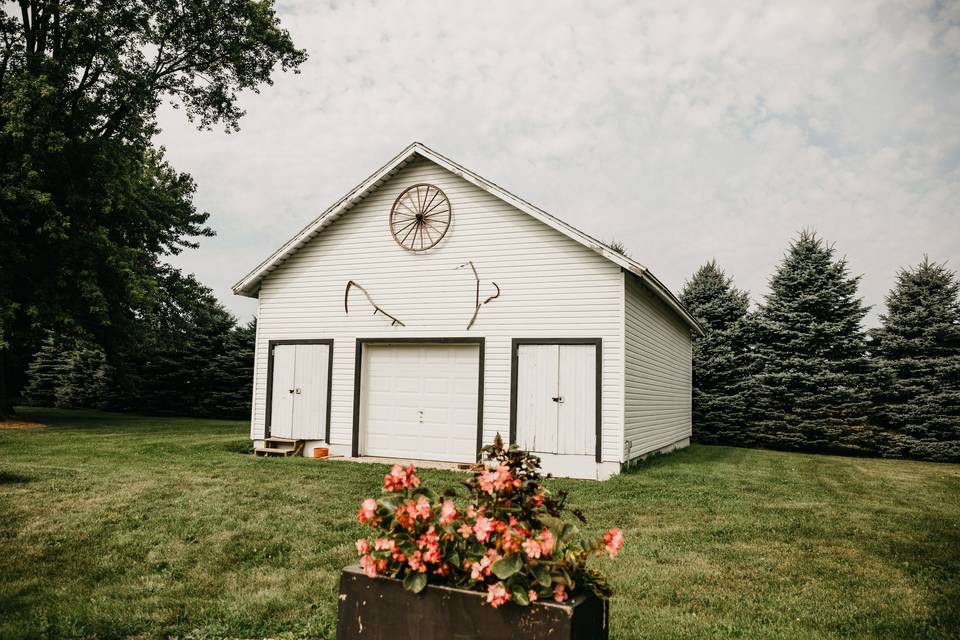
x=688 y=131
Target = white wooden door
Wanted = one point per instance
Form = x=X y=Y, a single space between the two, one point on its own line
x=577 y=390
x=556 y=398
x=310 y=397
x=284 y=390
x=419 y=401
x=537 y=412
x=298 y=406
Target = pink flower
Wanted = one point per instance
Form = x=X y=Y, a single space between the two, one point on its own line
x=483 y=527
x=416 y=562
x=532 y=548
x=560 y=593
x=405 y=514
x=399 y=478
x=424 y=511
x=497 y=595
x=369 y=566
x=532 y=595
x=510 y=541
x=384 y=544
x=613 y=542
x=546 y=542
x=363 y=547
x=368 y=510
x=465 y=530
x=448 y=512
x=429 y=544
x=481 y=568
x=498 y=479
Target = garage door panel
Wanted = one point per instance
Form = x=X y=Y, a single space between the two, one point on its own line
x=420 y=401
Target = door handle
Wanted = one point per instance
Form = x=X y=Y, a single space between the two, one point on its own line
x=558 y=399
x=292 y=390
x=298 y=390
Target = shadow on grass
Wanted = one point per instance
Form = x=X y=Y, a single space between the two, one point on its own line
x=8 y=477
x=239 y=446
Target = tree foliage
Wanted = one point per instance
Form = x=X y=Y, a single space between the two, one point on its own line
x=721 y=358
x=917 y=350
x=192 y=360
x=68 y=372
x=811 y=354
x=88 y=207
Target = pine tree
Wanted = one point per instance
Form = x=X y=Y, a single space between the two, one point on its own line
x=82 y=379
x=721 y=359
x=811 y=353
x=917 y=351
x=229 y=376
x=43 y=374
x=69 y=373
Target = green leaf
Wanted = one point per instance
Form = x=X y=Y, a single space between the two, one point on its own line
x=506 y=567
x=415 y=581
x=519 y=595
x=427 y=492
x=542 y=575
x=454 y=559
x=568 y=531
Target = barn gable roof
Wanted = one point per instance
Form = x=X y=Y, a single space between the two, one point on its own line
x=250 y=284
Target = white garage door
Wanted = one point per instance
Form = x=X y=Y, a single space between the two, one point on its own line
x=420 y=401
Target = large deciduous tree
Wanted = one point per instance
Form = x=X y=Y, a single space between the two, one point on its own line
x=917 y=350
x=721 y=358
x=811 y=351
x=88 y=207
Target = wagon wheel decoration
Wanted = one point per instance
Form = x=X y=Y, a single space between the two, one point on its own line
x=420 y=217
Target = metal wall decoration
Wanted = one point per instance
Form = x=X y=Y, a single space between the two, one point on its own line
x=376 y=308
x=420 y=217
x=479 y=304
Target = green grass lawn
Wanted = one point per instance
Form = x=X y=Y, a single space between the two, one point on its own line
x=118 y=526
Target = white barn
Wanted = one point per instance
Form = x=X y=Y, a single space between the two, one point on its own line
x=430 y=309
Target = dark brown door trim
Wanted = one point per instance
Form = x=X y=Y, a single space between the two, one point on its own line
x=270 y=345
x=358 y=378
x=597 y=342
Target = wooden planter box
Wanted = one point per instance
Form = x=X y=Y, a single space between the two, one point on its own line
x=381 y=609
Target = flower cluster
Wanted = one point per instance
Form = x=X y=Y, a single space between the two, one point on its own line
x=505 y=538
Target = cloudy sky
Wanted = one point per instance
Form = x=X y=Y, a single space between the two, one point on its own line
x=688 y=131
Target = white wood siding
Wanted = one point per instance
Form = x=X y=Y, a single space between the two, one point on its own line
x=552 y=287
x=658 y=376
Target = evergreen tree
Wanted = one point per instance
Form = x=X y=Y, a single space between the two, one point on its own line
x=82 y=380
x=229 y=376
x=66 y=372
x=811 y=354
x=721 y=359
x=917 y=351
x=167 y=374
x=43 y=374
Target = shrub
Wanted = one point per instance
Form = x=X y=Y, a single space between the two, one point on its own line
x=509 y=541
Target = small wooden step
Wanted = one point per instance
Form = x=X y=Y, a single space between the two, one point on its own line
x=269 y=451
x=286 y=452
